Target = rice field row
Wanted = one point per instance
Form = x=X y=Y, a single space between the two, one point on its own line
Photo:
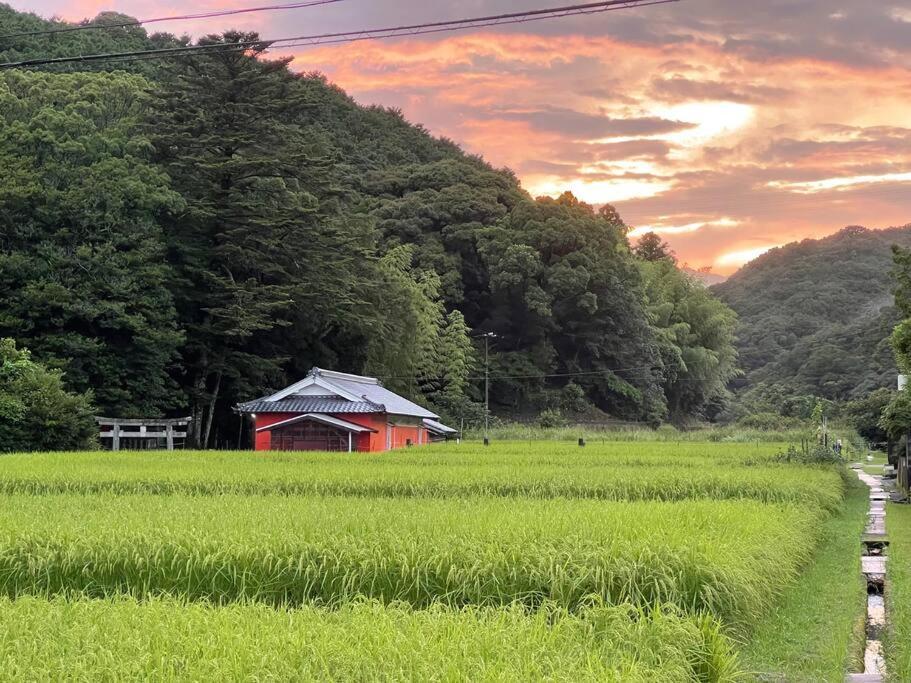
x=617 y=561
x=730 y=559
x=619 y=472
x=166 y=640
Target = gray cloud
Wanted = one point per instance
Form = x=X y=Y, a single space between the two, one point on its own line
x=580 y=125
x=632 y=149
x=679 y=89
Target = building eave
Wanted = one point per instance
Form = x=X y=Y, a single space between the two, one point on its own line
x=320 y=417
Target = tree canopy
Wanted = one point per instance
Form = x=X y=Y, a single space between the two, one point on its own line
x=36 y=412
x=83 y=276
x=185 y=238
x=816 y=316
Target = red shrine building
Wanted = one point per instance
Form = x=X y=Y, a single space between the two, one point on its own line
x=334 y=411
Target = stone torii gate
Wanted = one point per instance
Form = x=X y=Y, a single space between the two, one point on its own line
x=142 y=432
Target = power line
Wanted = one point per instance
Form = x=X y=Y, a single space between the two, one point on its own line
x=352 y=36
x=462 y=24
x=589 y=373
x=141 y=54
x=179 y=17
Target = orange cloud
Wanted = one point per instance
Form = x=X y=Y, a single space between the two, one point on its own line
x=762 y=133
x=727 y=129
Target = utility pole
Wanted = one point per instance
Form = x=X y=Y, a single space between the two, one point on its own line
x=486 y=389
x=487 y=336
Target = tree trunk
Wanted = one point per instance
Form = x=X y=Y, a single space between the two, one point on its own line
x=213 y=399
x=195 y=427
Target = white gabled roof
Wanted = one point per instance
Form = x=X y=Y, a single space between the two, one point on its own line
x=355 y=388
x=312 y=380
x=319 y=417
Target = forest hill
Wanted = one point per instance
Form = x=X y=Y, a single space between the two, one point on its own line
x=195 y=235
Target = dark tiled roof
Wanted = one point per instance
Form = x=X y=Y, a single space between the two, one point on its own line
x=311 y=404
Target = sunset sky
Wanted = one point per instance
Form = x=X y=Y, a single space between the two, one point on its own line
x=729 y=126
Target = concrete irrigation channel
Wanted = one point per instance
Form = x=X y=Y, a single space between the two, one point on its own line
x=873 y=566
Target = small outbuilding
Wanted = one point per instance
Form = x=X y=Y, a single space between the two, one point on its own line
x=335 y=411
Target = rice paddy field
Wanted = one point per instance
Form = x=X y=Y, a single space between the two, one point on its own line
x=620 y=561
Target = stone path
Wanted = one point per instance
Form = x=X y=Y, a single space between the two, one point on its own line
x=873 y=566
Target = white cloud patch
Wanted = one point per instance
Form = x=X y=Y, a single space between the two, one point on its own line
x=742 y=256
x=665 y=229
x=840 y=184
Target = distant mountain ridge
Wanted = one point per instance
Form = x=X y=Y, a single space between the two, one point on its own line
x=705 y=276
x=815 y=315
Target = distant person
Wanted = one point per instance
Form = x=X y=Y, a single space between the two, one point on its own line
x=838 y=447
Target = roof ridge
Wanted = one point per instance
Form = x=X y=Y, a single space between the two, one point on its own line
x=348 y=377
x=293 y=403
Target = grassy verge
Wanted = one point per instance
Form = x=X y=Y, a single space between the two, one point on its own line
x=816 y=631
x=898 y=593
x=876 y=465
x=165 y=640
x=666 y=433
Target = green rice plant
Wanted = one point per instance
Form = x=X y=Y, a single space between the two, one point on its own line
x=729 y=559
x=166 y=640
x=606 y=472
x=619 y=433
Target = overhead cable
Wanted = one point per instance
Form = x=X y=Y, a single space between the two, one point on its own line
x=352 y=36
x=178 y=17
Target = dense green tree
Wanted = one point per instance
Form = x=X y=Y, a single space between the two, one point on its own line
x=310 y=230
x=83 y=277
x=421 y=350
x=260 y=245
x=896 y=417
x=457 y=358
x=901 y=334
x=405 y=353
x=651 y=247
x=697 y=333
x=442 y=208
x=69 y=43
x=36 y=411
x=865 y=414
x=567 y=294
x=901 y=279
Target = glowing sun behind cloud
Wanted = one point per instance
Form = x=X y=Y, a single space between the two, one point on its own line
x=600 y=191
x=735 y=259
x=711 y=120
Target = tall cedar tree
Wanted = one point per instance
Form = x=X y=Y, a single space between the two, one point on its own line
x=254 y=249
x=83 y=277
x=652 y=248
